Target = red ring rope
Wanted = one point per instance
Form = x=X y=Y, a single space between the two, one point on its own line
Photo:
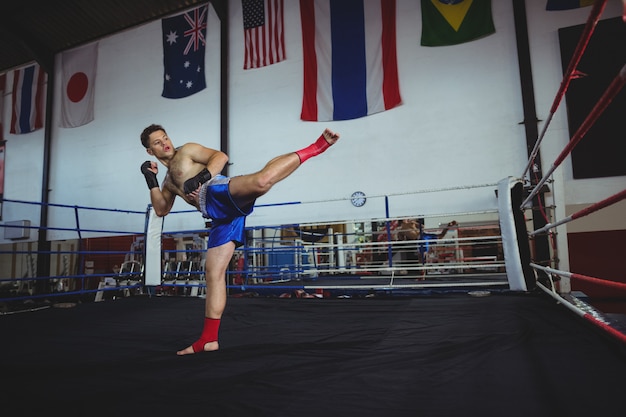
x=603 y=282
x=604 y=101
x=600 y=205
x=610 y=93
x=584 y=212
x=571 y=71
x=592 y=21
x=611 y=330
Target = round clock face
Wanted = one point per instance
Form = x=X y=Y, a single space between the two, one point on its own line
x=357 y=198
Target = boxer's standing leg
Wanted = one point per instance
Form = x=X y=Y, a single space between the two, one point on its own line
x=217 y=260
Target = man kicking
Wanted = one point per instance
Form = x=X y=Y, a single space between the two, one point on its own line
x=193 y=173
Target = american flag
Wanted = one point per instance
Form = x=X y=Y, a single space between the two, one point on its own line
x=184 y=41
x=264 y=35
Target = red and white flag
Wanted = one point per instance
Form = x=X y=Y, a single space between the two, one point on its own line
x=350 y=60
x=78 y=85
x=263 y=31
x=28 y=99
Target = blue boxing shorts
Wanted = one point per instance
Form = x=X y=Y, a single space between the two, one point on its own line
x=228 y=219
x=423 y=246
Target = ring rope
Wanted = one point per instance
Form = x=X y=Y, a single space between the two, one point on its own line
x=7 y=200
x=71 y=229
x=435 y=190
x=566 y=274
x=423 y=191
x=570 y=73
x=584 y=212
x=366 y=287
x=59 y=277
x=604 y=101
x=371 y=269
x=587 y=316
x=373 y=220
x=333 y=200
x=69 y=252
x=78 y=229
x=67 y=293
x=30 y=310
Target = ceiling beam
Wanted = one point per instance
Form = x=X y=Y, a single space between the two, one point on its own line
x=33 y=48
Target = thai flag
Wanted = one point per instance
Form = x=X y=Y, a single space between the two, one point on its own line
x=28 y=99
x=350 y=64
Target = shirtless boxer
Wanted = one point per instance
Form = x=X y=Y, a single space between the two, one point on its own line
x=193 y=173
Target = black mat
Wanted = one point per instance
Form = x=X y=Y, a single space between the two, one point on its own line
x=439 y=355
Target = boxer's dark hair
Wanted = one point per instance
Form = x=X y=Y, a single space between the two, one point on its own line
x=145 y=135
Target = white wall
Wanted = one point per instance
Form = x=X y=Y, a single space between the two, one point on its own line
x=458 y=127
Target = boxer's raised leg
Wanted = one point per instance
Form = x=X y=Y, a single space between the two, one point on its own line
x=326 y=139
x=247 y=188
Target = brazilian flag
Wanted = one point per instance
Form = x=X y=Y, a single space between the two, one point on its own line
x=450 y=22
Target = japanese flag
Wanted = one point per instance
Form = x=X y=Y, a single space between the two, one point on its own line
x=79 y=76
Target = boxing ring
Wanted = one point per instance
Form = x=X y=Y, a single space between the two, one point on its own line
x=348 y=258
x=74 y=277
x=550 y=273
x=332 y=317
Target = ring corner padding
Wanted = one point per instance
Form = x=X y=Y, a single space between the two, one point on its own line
x=152 y=272
x=514 y=236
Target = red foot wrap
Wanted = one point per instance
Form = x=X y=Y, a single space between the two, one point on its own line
x=209 y=334
x=316 y=148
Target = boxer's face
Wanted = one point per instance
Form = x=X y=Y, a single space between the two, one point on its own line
x=160 y=144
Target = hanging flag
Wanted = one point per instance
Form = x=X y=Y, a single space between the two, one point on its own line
x=78 y=85
x=28 y=99
x=2 y=153
x=184 y=41
x=567 y=4
x=263 y=32
x=451 y=22
x=350 y=63
x=3 y=83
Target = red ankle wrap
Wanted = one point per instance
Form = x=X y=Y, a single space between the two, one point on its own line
x=209 y=334
x=316 y=148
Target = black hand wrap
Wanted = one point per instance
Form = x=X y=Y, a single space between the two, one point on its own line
x=192 y=184
x=151 y=178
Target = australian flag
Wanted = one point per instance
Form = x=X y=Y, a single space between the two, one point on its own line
x=184 y=41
